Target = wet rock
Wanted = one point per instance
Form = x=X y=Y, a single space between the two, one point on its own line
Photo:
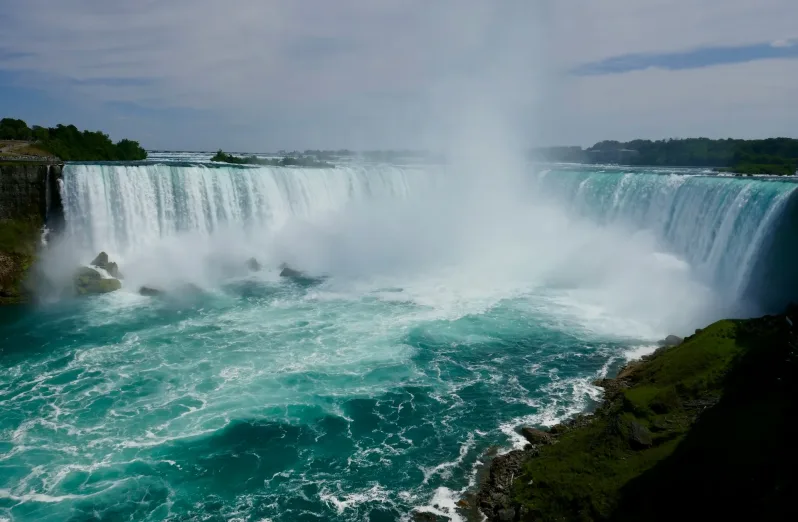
x=89 y=281
x=253 y=265
x=426 y=516
x=102 y=261
x=494 y=493
x=536 y=436
x=287 y=271
x=150 y=292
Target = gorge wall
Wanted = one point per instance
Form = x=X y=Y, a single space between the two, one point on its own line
x=30 y=200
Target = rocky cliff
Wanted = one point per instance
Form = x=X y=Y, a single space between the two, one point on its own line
x=30 y=199
x=700 y=431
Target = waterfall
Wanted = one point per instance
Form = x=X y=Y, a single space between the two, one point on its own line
x=120 y=207
x=728 y=229
x=735 y=234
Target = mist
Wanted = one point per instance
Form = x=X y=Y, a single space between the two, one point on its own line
x=473 y=230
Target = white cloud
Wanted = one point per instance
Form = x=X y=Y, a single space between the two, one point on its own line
x=284 y=73
x=754 y=99
x=784 y=43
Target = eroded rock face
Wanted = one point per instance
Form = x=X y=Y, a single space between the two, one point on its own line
x=88 y=281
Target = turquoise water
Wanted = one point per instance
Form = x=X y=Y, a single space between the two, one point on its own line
x=364 y=394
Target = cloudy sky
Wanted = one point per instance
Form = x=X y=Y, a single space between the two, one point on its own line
x=253 y=75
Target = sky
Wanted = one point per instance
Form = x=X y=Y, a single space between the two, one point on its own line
x=258 y=75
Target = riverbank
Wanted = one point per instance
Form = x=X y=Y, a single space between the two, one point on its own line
x=697 y=431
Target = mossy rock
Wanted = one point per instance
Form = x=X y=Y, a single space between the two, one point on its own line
x=88 y=281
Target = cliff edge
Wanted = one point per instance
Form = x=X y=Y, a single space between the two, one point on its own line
x=29 y=200
x=700 y=431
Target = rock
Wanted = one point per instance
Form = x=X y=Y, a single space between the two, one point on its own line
x=89 y=281
x=102 y=261
x=506 y=515
x=635 y=434
x=253 y=264
x=536 y=437
x=671 y=340
x=639 y=436
x=290 y=272
x=113 y=271
x=426 y=516
x=494 y=493
x=150 y=292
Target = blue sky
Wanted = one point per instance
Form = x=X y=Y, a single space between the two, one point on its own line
x=201 y=74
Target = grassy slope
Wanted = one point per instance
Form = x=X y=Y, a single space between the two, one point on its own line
x=716 y=409
x=12 y=149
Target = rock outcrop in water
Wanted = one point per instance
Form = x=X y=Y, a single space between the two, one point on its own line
x=253 y=265
x=287 y=271
x=150 y=292
x=678 y=435
x=102 y=261
x=89 y=281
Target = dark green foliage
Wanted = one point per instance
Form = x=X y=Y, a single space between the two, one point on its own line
x=70 y=144
x=700 y=424
x=11 y=129
x=770 y=156
x=287 y=161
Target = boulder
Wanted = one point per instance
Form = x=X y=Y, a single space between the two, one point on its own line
x=150 y=292
x=113 y=270
x=102 y=261
x=253 y=264
x=639 y=436
x=88 y=281
x=536 y=437
x=290 y=272
x=426 y=516
x=507 y=514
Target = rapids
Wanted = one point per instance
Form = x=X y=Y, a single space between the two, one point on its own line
x=443 y=313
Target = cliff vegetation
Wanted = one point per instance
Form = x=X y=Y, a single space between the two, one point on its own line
x=769 y=156
x=286 y=161
x=66 y=142
x=700 y=431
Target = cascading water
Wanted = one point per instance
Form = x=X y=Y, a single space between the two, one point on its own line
x=120 y=207
x=720 y=225
x=449 y=315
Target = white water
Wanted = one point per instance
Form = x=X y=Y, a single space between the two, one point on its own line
x=632 y=253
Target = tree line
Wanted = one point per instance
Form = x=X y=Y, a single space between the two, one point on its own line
x=70 y=144
x=768 y=156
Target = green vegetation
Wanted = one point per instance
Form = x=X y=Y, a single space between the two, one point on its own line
x=286 y=161
x=680 y=435
x=18 y=240
x=69 y=143
x=769 y=156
